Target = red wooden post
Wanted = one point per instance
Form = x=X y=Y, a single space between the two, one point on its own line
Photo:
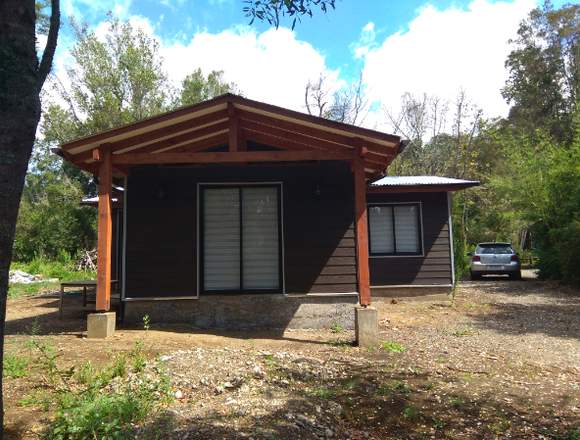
x=362 y=241
x=105 y=230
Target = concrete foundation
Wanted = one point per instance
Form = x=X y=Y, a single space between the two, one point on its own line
x=411 y=292
x=366 y=327
x=101 y=325
x=258 y=311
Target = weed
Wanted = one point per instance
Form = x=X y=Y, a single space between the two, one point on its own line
x=146 y=323
x=411 y=413
x=323 y=393
x=429 y=386
x=456 y=402
x=393 y=347
x=341 y=343
x=270 y=361
x=502 y=425
x=138 y=357
x=15 y=366
x=395 y=386
x=574 y=433
x=91 y=404
x=438 y=423
x=336 y=328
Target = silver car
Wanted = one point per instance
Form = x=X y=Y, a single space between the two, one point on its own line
x=495 y=259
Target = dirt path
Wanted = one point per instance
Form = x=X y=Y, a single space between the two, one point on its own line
x=501 y=361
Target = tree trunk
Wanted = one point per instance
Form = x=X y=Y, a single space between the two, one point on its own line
x=19 y=115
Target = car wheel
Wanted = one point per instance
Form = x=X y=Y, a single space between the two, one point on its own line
x=516 y=275
x=475 y=276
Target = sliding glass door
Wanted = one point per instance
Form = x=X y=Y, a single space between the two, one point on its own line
x=240 y=238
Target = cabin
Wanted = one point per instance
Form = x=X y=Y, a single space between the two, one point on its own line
x=239 y=214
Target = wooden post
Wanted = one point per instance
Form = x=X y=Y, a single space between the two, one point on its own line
x=361 y=227
x=105 y=231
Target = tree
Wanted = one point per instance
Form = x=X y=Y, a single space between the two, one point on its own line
x=273 y=10
x=544 y=71
x=196 y=87
x=348 y=104
x=21 y=79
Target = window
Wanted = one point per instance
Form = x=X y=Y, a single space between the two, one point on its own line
x=241 y=238
x=395 y=229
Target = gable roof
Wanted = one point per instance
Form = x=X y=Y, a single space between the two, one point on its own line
x=212 y=123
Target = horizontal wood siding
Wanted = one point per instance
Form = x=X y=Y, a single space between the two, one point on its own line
x=161 y=249
x=435 y=266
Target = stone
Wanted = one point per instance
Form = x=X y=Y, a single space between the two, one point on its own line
x=100 y=325
x=366 y=327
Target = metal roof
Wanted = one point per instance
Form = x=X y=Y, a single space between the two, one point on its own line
x=422 y=180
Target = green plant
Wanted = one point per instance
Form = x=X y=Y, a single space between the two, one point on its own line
x=139 y=360
x=396 y=386
x=464 y=331
x=336 y=328
x=456 y=402
x=323 y=393
x=411 y=413
x=15 y=366
x=393 y=347
x=106 y=402
x=146 y=323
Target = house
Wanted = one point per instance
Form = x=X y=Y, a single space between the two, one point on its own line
x=242 y=214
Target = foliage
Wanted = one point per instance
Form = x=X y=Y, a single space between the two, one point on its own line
x=544 y=74
x=112 y=81
x=196 y=87
x=15 y=366
x=63 y=269
x=90 y=402
x=393 y=347
x=273 y=10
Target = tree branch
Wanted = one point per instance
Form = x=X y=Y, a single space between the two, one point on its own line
x=48 y=54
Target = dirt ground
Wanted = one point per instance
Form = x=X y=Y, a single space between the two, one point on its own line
x=500 y=361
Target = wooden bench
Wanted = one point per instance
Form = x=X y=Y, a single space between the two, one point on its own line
x=85 y=285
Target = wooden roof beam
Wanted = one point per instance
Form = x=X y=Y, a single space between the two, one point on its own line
x=227 y=157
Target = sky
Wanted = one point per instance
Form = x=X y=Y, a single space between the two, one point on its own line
x=433 y=47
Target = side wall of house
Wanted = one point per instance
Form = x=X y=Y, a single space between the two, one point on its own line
x=434 y=267
x=317 y=223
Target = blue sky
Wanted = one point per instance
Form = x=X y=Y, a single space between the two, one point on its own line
x=416 y=46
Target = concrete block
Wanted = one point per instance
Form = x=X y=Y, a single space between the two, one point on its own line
x=101 y=325
x=366 y=326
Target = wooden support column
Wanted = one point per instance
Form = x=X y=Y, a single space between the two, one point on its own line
x=361 y=228
x=104 y=229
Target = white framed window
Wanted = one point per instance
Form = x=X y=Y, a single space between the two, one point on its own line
x=395 y=229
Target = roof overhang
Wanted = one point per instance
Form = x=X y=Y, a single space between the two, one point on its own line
x=190 y=135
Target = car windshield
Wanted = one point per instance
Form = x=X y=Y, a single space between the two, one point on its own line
x=494 y=249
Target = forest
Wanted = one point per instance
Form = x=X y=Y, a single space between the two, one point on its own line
x=528 y=162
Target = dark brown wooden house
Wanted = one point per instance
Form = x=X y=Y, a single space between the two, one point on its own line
x=241 y=214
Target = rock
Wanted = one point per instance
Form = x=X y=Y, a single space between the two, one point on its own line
x=329 y=433
x=178 y=394
x=165 y=358
x=335 y=409
x=19 y=276
x=258 y=372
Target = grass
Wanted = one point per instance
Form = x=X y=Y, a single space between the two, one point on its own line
x=15 y=366
x=61 y=270
x=323 y=393
x=393 y=347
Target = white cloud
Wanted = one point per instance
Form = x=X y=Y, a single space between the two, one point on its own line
x=444 y=51
x=272 y=66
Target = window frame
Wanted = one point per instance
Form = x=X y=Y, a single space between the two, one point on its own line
x=200 y=241
x=395 y=254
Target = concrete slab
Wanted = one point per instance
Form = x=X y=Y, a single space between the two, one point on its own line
x=101 y=325
x=366 y=327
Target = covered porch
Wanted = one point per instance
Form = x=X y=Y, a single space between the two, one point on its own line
x=295 y=183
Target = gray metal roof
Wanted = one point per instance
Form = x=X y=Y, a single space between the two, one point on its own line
x=421 y=180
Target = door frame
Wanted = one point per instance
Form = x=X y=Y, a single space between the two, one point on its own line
x=200 y=242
